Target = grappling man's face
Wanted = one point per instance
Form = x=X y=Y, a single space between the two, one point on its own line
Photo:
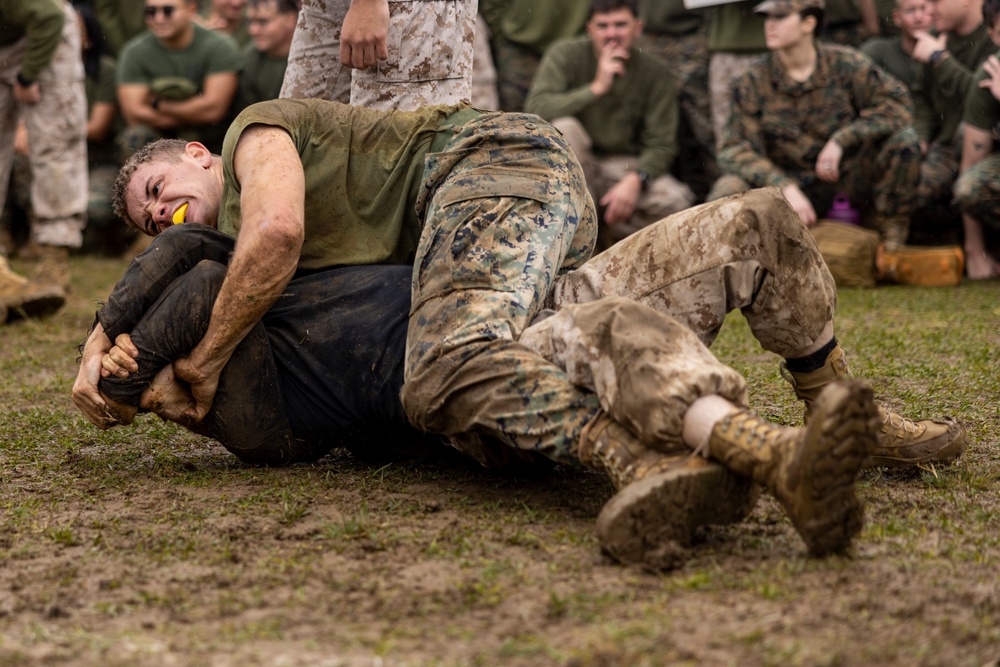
x=168 y=192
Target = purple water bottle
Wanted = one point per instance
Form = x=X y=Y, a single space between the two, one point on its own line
x=842 y=211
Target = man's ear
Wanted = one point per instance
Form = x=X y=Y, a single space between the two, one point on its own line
x=199 y=153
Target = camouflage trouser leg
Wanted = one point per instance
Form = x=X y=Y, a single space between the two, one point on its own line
x=749 y=252
x=483 y=268
x=687 y=56
x=645 y=367
x=516 y=66
x=314 y=68
x=56 y=138
x=723 y=70
x=430 y=57
x=883 y=175
x=977 y=192
x=938 y=172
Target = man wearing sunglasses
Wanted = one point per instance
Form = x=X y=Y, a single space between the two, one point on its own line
x=177 y=79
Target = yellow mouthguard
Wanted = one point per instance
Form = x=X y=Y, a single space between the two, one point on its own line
x=180 y=213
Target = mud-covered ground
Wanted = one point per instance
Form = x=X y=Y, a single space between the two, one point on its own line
x=151 y=546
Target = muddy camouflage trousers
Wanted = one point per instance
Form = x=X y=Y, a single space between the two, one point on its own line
x=488 y=266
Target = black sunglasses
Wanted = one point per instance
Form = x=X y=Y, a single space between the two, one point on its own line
x=168 y=11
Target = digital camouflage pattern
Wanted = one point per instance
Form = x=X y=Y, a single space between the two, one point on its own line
x=56 y=137
x=513 y=246
x=779 y=126
x=430 y=45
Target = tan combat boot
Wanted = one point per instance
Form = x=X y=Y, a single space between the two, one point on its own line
x=20 y=296
x=662 y=498
x=53 y=267
x=811 y=470
x=901 y=441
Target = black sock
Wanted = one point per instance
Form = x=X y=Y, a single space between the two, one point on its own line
x=811 y=362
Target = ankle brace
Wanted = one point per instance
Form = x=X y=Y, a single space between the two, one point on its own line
x=811 y=362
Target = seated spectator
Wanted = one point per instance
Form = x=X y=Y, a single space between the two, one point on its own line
x=176 y=80
x=676 y=35
x=521 y=31
x=272 y=24
x=226 y=16
x=977 y=191
x=894 y=54
x=948 y=64
x=815 y=120
x=617 y=108
x=849 y=22
x=103 y=121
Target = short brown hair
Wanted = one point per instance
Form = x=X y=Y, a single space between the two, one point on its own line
x=162 y=149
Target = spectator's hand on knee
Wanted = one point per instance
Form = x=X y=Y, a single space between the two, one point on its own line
x=800 y=203
x=619 y=202
x=363 y=35
x=828 y=162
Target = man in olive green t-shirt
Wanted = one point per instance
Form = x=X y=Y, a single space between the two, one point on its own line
x=178 y=79
x=894 y=54
x=977 y=193
x=272 y=25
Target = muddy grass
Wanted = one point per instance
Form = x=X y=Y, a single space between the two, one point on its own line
x=152 y=546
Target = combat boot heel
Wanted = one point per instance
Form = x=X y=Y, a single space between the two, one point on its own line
x=53 y=267
x=812 y=470
x=900 y=441
x=662 y=497
x=19 y=296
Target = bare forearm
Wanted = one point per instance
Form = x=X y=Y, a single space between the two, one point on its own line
x=197 y=110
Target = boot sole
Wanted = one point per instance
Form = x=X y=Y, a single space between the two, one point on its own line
x=39 y=306
x=829 y=512
x=652 y=521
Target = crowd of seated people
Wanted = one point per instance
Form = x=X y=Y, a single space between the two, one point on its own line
x=665 y=106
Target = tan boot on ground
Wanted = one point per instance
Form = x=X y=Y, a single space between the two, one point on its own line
x=53 y=266
x=811 y=470
x=661 y=499
x=19 y=296
x=901 y=441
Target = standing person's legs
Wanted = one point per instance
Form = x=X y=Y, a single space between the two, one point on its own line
x=57 y=148
x=723 y=70
x=314 y=68
x=430 y=46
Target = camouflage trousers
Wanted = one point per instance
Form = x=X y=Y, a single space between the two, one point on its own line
x=938 y=172
x=430 y=45
x=687 y=56
x=723 y=70
x=516 y=66
x=664 y=196
x=56 y=137
x=505 y=240
x=977 y=191
x=879 y=176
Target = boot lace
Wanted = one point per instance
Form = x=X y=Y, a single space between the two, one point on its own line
x=907 y=425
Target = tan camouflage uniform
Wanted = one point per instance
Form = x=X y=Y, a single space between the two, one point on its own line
x=507 y=235
x=778 y=128
x=430 y=45
x=56 y=138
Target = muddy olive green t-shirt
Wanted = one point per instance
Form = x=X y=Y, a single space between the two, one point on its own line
x=363 y=169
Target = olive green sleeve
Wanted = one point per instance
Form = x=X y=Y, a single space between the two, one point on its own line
x=42 y=22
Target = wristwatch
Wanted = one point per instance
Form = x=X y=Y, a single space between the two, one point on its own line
x=24 y=81
x=936 y=56
x=643 y=178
